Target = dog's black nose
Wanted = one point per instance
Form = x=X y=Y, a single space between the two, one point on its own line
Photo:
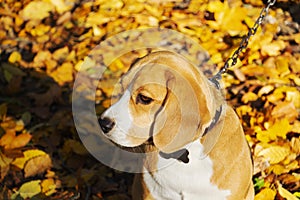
x=106 y=124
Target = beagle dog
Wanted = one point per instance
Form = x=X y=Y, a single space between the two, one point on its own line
x=198 y=147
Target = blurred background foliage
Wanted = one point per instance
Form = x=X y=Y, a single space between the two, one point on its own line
x=44 y=42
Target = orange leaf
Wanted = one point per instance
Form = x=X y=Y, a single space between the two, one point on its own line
x=20 y=141
x=6 y=139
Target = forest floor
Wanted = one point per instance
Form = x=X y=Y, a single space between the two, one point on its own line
x=43 y=43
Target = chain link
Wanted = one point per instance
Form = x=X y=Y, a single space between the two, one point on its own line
x=231 y=61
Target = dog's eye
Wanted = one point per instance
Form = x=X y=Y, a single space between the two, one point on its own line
x=143 y=99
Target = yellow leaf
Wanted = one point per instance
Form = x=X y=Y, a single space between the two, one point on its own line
x=285 y=193
x=61 y=54
x=295 y=145
x=62 y=6
x=20 y=162
x=297 y=38
x=280 y=128
x=286 y=110
x=48 y=186
x=265 y=90
x=30 y=189
x=274 y=154
x=273 y=49
x=97 y=19
x=249 y=96
x=282 y=65
x=36 y=10
x=40 y=30
x=19 y=125
x=14 y=57
x=266 y=194
x=63 y=74
x=277 y=169
x=228 y=19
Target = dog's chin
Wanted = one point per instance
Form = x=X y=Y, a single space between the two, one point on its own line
x=147 y=146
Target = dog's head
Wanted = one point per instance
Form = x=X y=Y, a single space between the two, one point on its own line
x=164 y=98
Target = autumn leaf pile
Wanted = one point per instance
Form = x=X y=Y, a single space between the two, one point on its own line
x=43 y=43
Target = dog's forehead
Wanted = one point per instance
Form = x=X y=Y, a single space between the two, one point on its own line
x=150 y=76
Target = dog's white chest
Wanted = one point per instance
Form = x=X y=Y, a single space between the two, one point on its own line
x=177 y=180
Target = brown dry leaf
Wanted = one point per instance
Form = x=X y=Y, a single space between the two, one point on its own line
x=37 y=165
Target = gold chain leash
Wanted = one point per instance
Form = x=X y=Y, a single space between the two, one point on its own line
x=244 y=43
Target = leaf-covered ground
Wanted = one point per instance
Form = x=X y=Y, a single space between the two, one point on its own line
x=44 y=42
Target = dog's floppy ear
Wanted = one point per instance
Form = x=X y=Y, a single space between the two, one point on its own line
x=183 y=115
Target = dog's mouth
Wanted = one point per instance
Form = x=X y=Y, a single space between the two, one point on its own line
x=146 y=147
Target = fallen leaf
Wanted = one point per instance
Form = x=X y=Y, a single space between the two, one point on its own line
x=285 y=193
x=63 y=74
x=265 y=194
x=37 y=10
x=20 y=162
x=30 y=189
x=48 y=186
x=61 y=54
x=285 y=110
x=20 y=140
x=8 y=138
x=273 y=48
x=265 y=90
x=274 y=154
x=14 y=57
x=37 y=165
x=249 y=96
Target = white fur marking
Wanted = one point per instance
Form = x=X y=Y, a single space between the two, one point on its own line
x=120 y=113
x=191 y=181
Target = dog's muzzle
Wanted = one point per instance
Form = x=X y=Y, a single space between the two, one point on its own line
x=106 y=124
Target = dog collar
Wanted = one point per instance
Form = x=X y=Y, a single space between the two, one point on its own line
x=181 y=155
x=214 y=121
